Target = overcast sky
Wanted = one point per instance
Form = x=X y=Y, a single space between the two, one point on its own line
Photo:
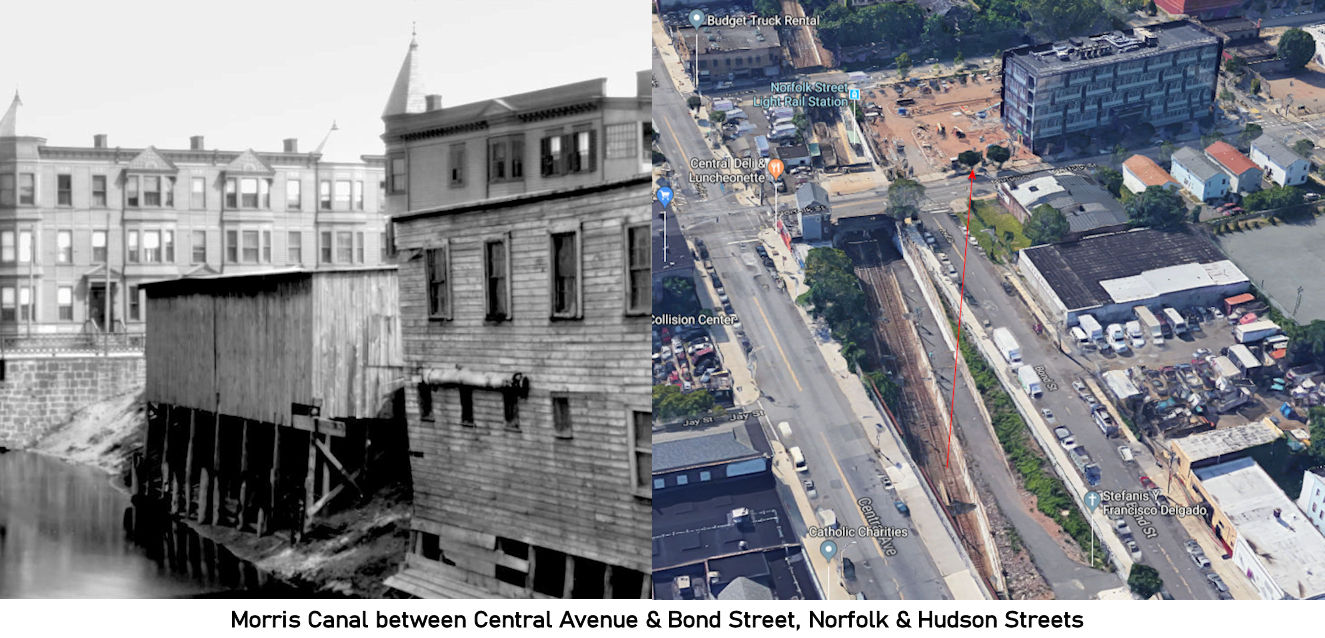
x=249 y=73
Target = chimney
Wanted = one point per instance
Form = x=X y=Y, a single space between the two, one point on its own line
x=291 y=144
x=195 y=143
x=99 y=140
x=432 y=102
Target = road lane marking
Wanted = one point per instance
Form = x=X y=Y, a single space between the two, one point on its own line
x=675 y=140
x=855 y=502
x=785 y=360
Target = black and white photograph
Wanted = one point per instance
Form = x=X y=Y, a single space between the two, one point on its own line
x=325 y=300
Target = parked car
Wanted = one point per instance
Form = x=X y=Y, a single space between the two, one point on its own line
x=1147 y=483
x=1048 y=414
x=1133 y=549
x=1065 y=438
x=1120 y=524
x=809 y=488
x=1217 y=582
x=1125 y=453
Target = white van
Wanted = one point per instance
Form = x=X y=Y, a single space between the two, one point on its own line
x=1125 y=453
x=798 y=460
x=784 y=428
x=1082 y=340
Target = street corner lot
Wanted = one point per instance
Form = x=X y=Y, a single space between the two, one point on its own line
x=1281 y=258
x=1306 y=86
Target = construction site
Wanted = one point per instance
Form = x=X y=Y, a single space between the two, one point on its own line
x=918 y=127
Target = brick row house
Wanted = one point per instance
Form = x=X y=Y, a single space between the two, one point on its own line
x=521 y=226
x=83 y=227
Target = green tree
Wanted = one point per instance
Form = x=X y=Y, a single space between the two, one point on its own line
x=1316 y=425
x=1211 y=137
x=1156 y=207
x=1151 y=9
x=1235 y=64
x=1255 y=87
x=1119 y=153
x=903 y=61
x=1249 y=132
x=1111 y=179
x=1046 y=225
x=1061 y=18
x=717 y=117
x=1166 y=149
x=692 y=102
x=1274 y=198
x=767 y=8
x=670 y=402
x=969 y=158
x=1296 y=48
x=1144 y=580
x=998 y=154
x=904 y=197
x=1303 y=147
x=959 y=60
x=1226 y=95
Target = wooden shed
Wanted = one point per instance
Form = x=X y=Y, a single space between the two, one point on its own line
x=260 y=385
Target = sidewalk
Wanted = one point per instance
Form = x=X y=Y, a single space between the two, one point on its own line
x=933 y=529
x=828 y=574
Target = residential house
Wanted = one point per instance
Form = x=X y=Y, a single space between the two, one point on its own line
x=1244 y=175
x=1281 y=165
x=1141 y=172
x=1200 y=176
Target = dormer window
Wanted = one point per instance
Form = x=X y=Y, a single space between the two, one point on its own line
x=248 y=192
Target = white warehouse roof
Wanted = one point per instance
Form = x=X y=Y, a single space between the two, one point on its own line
x=1161 y=281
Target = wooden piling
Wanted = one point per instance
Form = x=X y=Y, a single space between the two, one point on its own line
x=188 y=465
x=240 y=517
x=274 y=479
x=570 y=576
x=165 y=452
x=216 y=495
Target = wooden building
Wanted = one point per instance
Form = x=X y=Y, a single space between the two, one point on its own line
x=270 y=394
x=521 y=226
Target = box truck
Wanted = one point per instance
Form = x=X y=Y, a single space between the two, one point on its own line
x=798 y=460
x=1007 y=345
x=1030 y=381
x=1149 y=324
x=1255 y=331
x=1092 y=328
x=1104 y=421
x=1175 y=320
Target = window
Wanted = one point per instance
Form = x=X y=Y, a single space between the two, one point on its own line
x=682 y=479
x=7 y=252
x=425 y=401
x=132 y=254
x=131 y=191
x=249 y=246
x=344 y=247
x=381 y=190
x=510 y=405
x=294 y=247
x=168 y=245
x=199 y=247
x=466 y=405
x=168 y=185
x=638 y=269
x=383 y=246
x=398 y=180
x=293 y=194
x=232 y=246
x=135 y=304
x=705 y=475
x=641 y=442
x=151 y=190
x=27 y=189
x=266 y=246
x=99 y=246
x=358 y=194
x=457 y=165
x=358 y=248
x=64 y=300
x=248 y=192
x=660 y=483
x=198 y=193
x=565 y=275
x=231 y=194
x=506 y=159
x=325 y=246
x=342 y=194
x=64 y=246
x=621 y=139
x=25 y=247
x=495 y=265
x=6 y=190
x=25 y=303
x=568 y=153
x=64 y=190
x=8 y=307
x=98 y=191
x=151 y=252
x=438 y=267
x=324 y=194
x=561 y=423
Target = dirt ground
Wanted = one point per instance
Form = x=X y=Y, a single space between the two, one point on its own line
x=1307 y=88
x=949 y=110
x=849 y=183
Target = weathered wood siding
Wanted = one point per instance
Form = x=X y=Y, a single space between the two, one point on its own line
x=574 y=495
x=357 y=359
x=260 y=343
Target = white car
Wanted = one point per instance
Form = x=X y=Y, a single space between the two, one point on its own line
x=1065 y=437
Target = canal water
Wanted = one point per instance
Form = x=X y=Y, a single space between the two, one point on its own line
x=65 y=532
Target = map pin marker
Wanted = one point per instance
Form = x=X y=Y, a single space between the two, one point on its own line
x=696 y=18
x=775 y=168
x=1092 y=500
x=828 y=549
x=664 y=196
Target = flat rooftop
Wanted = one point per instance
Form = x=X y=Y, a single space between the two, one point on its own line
x=1213 y=443
x=719 y=39
x=1077 y=269
x=1286 y=543
x=1085 y=204
x=677 y=453
x=1111 y=47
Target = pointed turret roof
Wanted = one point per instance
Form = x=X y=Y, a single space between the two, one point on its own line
x=9 y=123
x=408 y=95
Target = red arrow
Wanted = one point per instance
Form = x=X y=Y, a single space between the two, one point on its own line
x=952 y=403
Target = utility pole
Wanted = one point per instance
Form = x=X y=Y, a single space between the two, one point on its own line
x=1299 y=300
